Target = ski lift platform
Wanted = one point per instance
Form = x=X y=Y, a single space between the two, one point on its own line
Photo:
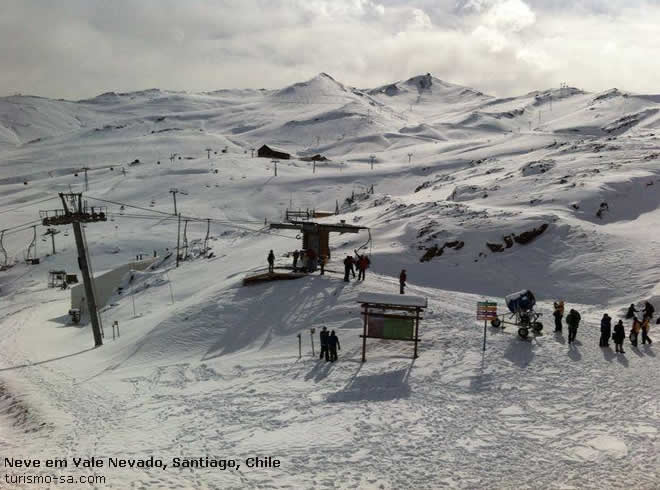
x=271 y=276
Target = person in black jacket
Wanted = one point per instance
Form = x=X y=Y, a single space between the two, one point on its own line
x=403 y=277
x=573 y=321
x=605 y=330
x=333 y=346
x=324 y=344
x=648 y=310
x=558 y=313
x=295 y=260
x=271 y=261
x=619 y=336
x=348 y=264
x=631 y=311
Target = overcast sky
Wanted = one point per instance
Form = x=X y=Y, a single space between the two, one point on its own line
x=80 y=48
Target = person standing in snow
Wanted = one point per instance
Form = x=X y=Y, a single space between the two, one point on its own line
x=333 y=346
x=605 y=330
x=322 y=260
x=573 y=321
x=353 y=264
x=295 y=260
x=311 y=260
x=362 y=265
x=271 y=261
x=634 y=332
x=648 y=310
x=402 y=281
x=324 y=344
x=631 y=311
x=347 y=268
x=646 y=325
x=558 y=314
x=618 y=336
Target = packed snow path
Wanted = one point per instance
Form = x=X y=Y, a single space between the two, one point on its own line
x=530 y=414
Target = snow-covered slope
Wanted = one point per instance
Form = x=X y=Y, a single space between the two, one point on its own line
x=206 y=367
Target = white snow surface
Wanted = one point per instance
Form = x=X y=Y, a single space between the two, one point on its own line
x=205 y=367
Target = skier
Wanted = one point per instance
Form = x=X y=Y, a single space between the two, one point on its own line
x=648 y=310
x=295 y=260
x=271 y=261
x=573 y=321
x=631 y=311
x=558 y=314
x=646 y=325
x=324 y=344
x=347 y=268
x=333 y=346
x=618 y=336
x=605 y=330
x=402 y=281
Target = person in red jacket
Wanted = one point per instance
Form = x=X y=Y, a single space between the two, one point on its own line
x=402 y=281
x=362 y=265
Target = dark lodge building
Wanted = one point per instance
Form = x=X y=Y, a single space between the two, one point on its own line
x=266 y=152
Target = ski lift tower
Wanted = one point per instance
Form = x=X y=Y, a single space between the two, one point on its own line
x=74 y=213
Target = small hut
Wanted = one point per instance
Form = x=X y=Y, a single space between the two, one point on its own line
x=267 y=152
x=56 y=279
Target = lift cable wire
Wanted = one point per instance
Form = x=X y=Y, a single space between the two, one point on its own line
x=27 y=205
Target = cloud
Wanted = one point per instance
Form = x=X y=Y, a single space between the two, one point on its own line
x=510 y=15
x=79 y=48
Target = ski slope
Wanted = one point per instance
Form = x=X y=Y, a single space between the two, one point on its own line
x=207 y=367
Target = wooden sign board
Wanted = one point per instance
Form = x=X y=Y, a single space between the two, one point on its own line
x=387 y=327
x=486 y=310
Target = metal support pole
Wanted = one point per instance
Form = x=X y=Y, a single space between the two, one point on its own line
x=311 y=336
x=415 y=356
x=299 y=346
x=52 y=238
x=178 y=240
x=484 y=347
x=364 y=334
x=87 y=281
x=173 y=192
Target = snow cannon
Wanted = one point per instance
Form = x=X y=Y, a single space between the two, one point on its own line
x=521 y=305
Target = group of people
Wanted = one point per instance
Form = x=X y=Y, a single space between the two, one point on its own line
x=359 y=262
x=329 y=345
x=303 y=261
x=617 y=334
x=307 y=261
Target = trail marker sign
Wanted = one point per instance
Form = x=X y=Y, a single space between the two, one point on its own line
x=486 y=310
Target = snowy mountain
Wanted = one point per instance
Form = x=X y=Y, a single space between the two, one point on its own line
x=475 y=196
